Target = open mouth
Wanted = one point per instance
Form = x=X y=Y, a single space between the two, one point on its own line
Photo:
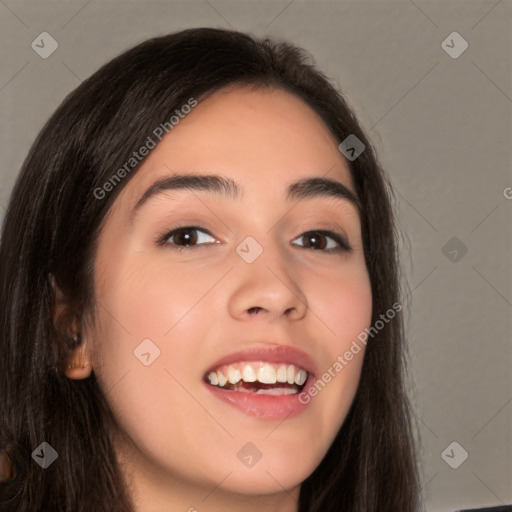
x=259 y=377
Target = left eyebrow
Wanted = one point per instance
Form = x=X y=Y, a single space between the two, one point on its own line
x=305 y=188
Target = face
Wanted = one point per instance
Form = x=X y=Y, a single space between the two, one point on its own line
x=261 y=285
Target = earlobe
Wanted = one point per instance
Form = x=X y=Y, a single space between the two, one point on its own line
x=79 y=365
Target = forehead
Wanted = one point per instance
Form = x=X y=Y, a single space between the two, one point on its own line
x=262 y=139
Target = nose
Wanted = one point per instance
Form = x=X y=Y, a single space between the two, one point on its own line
x=268 y=288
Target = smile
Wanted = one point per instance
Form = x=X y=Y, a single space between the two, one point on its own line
x=259 y=377
x=263 y=381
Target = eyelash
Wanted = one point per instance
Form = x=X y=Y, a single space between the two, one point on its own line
x=343 y=245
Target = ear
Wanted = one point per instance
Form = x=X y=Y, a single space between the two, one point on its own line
x=79 y=364
x=8 y=470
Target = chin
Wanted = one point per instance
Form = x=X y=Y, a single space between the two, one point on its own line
x=264 y=481
x=274 y=471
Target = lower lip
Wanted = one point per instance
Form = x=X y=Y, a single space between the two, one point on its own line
x=261 y=406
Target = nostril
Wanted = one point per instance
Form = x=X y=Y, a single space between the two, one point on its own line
x=255 y=309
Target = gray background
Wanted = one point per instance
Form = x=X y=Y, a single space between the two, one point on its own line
x=442 y=128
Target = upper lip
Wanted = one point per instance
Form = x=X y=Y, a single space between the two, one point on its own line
x=269 y=354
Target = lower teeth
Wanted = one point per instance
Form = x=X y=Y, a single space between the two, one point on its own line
x=273 y=391
x=262 y=389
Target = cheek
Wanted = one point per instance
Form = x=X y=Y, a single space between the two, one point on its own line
x=146 y=297
x=152 y=322
x=344 y=306
x=151 y=327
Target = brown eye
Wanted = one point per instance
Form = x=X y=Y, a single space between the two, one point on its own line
x=185 y=237
x=319 y=240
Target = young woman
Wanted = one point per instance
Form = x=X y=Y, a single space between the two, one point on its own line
x=200 y=304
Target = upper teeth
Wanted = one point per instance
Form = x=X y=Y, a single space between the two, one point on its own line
x=265 y=373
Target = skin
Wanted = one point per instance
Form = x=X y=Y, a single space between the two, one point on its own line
x=177 y=443
x=7 y=469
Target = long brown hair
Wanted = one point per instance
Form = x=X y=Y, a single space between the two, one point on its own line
x=51 y=228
